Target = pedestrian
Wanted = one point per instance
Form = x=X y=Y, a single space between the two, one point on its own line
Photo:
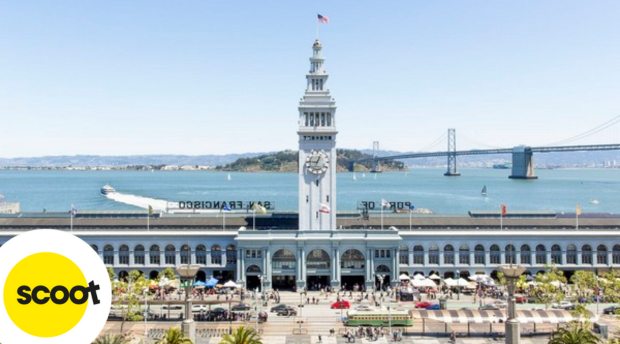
x=320 y=339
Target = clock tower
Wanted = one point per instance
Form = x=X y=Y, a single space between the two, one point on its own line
x=317 y=149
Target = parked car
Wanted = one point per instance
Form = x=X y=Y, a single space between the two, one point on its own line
x=199 y=308
x=342 y=304
x=241 y=307
x=218 y=311
x=172 y=307
x=562 y=305
x=611 y=310
x=520 y=298
x=278 y=307
x=288 y=311
x=489 y=307
x=423 y=304
x=433 y=307
x=500 y=304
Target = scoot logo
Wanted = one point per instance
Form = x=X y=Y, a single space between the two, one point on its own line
x=58 y=295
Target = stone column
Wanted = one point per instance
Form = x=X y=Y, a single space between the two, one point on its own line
x=487 y=257
x=269 y=281
x=548 y=258
x=239 y=266
x=396 y=267
x=610 y=258
x=518 y=257
x=425 y=257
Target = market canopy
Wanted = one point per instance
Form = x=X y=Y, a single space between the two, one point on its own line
x=434 y=277
x=230 y=284
x=419 y=276
x=212 y=282
x=404 y=277
x=471 y=316
x=199 y=284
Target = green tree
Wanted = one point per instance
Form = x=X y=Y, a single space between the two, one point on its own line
x=168 y=273
x=574 y=334
x=111 y=339
x=111 y=274
x=548 y=286
x=242 y=335
x=174 y=336
x=128 y=296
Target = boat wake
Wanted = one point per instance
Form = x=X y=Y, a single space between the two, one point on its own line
x=159 y=205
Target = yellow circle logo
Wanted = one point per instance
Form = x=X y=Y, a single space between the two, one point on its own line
x=46 y=294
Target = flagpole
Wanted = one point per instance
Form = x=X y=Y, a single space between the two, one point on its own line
x=577 y=221
x=148 y=222
x=224 y=220
x=71 y=214
x=501 y=221
x=410 y=219
x=382 y=216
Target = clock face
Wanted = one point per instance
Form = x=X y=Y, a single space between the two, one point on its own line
x=317 y=162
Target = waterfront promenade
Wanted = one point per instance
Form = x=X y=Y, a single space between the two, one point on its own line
x=319 y=319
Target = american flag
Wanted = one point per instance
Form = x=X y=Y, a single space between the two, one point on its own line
x=73 y=211
x=323 y=19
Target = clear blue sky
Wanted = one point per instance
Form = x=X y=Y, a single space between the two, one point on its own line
x=213 y=77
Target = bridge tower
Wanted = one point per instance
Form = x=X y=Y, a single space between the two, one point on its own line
x=376 y=168
x=522 y=163
x=452 y=172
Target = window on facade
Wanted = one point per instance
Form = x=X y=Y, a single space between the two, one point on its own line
x=312 y=119
x=352 y=259
x=171 y=255
x=329 y=119
x=283 y=259
x=108 y=255
x=138 y=255
x=556 y=254
x=510 y=254
x=526 y=255
x=571 y=254
x=186 y=254
x=201 y=254
x=479 y=255
x=433 y=255
x=541 y=254
x=586 y=254
x=322 y=119
x=448 y=254
x=216 y=255
x=418 y=255
x=123 y=255
x=464 y=254
x=495 y=255
x=403 y=256
x=601 y=254
x=94 y=247
x=318 y=259
x=615 y=255
x=154 y=255
x=306 y=118
x=231 y=254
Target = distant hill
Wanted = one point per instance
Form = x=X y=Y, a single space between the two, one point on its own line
x=287 y=161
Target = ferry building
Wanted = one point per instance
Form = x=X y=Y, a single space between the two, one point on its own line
x=320 y=247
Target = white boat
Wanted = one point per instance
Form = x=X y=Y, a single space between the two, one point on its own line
x=484 y=191
x=363 y=175
x=107 y=189
x=354 y=176
x=229 y=177
x=594 y=201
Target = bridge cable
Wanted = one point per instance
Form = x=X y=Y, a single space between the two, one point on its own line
x=588 y=133
x=478 y=143
x=439 y=140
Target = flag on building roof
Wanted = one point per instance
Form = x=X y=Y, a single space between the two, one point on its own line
x=578 y=210
x=504 y=211
x=384 y=203
x=411 y=207
x=324 y=209
x=323 y=19
x=150 y=210
x=73 y=211
x=226 y=208
x=259 y=208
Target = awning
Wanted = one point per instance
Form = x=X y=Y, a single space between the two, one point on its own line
x=212 y=282
x=464 y=316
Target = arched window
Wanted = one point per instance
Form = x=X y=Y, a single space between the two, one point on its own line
x=382 y=269
x=253 y=269
x=586 y=254
x=479 y=255
x=571 y=254
x=231 y=254
x=510 y=254
x=433 y=254
x=201 y=254
x=541 y=254
x=318 y=259
x=352 y=259
x=615 y=257
x=216 y=255
x=448 y=254
x=495 y=254
x=601 y=254
x=556 y=254
x=186 y=253
x=138 y=255
x=171 y=255
x=283 y=259
x=108 y=255
x=418 y=255
x=94 y=247
x=154 y=255
x=403 y=255
x=526 y=254
x=464 y=254
x=123 y=255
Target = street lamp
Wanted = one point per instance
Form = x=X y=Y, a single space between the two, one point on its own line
x=512 y=273
x=381 y=277
x=458 y=284
x=188 y=272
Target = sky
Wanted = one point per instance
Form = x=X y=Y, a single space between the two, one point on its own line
x=198 y=77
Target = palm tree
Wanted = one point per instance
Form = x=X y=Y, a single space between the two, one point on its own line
x=242 y=335
x=576 y=334
x=111 y=339
x=174 y=336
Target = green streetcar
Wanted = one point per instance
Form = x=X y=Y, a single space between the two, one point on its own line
x=379 y=318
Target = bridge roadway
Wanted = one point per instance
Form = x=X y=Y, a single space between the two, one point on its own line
x=542 y=149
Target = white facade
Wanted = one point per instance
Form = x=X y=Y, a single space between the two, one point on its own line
x=317 y=149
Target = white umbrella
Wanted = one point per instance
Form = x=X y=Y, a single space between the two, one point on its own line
x=479 y=278
x=428 y=283
x=449 y=282
x=419 y=276
x=461 y=282
x=404 y=277
x=435 y=277
x=230 y=284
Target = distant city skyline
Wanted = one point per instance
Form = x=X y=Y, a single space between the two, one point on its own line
x=198 y=78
